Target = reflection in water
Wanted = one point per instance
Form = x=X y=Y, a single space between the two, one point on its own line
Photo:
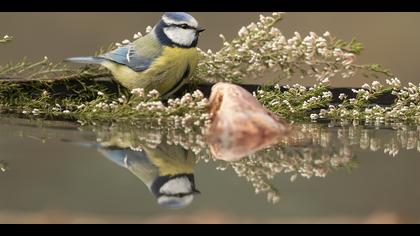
x=4 y=166
x=166 y=169
x=164 y=158
x=313 y=150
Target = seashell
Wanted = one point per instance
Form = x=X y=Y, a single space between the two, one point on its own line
x=240 y=125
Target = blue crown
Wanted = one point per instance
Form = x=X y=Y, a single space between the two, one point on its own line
x=179 y=16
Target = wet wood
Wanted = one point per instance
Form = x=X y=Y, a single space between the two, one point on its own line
x=240 y=125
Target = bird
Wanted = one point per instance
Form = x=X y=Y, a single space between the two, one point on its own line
x=161 y=60
x=167 y=170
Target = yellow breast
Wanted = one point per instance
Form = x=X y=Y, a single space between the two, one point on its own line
x=165 y=73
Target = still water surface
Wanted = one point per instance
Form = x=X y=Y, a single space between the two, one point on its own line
x=64 y=172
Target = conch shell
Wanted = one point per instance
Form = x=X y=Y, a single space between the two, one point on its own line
x=240 y=125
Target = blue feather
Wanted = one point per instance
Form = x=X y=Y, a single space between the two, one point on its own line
x=130 y=57
x=179 y=16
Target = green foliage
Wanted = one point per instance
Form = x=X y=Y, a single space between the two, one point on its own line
x=379 y=69
x=352 y=46
x=296 y=102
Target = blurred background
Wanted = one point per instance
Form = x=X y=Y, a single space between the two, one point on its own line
x=55 y=182
x=390 y=39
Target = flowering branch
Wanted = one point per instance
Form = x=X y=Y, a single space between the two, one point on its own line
x=261 y=47
x=405 y=108
x=187 y=112
x=295 y=102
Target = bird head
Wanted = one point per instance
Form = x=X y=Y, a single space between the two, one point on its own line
x=178 y=28
x=174 y=191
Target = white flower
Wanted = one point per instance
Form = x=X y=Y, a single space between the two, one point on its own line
x=35 y=111
x=149 y=29
x=275 y=14
x=66 y=112
x=138 y=91
x=243 y=32
x=366 y=86
x=153 y=93
x=314 y=116
x=100 y=93
x=325 y=80
x=326 y=94
x=376 y=84
x=297 y=35
x=137 y=35
x=342 y=96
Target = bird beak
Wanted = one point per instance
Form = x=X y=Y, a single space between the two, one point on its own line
x=200 y=29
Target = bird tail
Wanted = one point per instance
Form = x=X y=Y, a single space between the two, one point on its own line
x=85 y=60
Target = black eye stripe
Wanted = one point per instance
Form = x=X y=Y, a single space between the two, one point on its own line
x=184 y=26
x=176 y=194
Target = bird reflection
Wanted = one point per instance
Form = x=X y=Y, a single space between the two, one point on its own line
x=166 y=169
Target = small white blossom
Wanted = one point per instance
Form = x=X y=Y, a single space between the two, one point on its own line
x=314 y=116
x=149 y=29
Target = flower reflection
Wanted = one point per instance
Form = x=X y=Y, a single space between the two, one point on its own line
x=4 y=166
x=313 y=150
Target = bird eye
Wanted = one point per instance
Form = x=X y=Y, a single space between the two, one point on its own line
x=184 y=26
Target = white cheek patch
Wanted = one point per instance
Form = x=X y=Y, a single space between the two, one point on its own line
x=184 y=37
x=177 y=185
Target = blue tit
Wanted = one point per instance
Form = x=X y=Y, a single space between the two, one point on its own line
x=167 y=170
x=162 y=60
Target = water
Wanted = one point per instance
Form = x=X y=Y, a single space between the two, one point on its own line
x=63 y=172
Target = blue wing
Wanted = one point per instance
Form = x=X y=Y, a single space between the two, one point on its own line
x=138 y=55
x=128 y=56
